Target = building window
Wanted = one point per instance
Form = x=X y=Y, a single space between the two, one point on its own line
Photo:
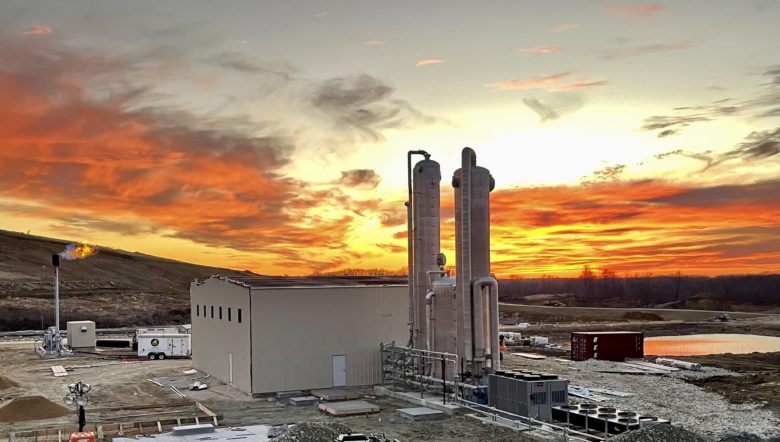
x=198 y=306
x=212 y=312
x=229 y=311
x=239 y=316
x=220 y=312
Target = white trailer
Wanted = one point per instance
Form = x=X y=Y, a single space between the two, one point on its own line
x=163 y=345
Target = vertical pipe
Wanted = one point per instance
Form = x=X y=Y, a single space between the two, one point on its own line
x=57 y=297
x=495 y=350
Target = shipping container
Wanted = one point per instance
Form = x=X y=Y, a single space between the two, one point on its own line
x=608 y=346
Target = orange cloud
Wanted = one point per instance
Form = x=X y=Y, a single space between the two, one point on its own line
x=429 y=61
x=581 y=84
x=86 y=162
x=542 y=50
x=636 y=227
x=375 y=42
x=37 y=30
x=528 y=83
x=634 y=10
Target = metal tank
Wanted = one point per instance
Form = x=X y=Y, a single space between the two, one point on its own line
x=426 y=178
x=476 y=289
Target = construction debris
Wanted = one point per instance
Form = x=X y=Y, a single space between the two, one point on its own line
x=58 y=371
x=314 y=432
x=679 y=364
x=198 y=386
x=530 y=355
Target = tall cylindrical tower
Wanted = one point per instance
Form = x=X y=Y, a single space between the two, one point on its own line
x=475 y=287
x=426 y=177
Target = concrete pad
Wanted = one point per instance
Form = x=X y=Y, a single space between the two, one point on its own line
x=428 y=400
x=288 y=394
x=179 y=383
x=253 y=433
x=335 y=394
x=303 y=400
x=417 y=414
x=348 y=408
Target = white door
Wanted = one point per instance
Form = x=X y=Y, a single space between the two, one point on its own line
x=339 y=370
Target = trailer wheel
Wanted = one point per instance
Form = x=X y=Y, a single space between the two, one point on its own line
x=161 y=356
x=152 y=356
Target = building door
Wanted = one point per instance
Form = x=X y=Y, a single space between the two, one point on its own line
x=339 y=370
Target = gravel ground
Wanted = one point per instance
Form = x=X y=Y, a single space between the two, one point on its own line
x=660 y=433
x=668 y=397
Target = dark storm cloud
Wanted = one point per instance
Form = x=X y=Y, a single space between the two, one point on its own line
x=360 y=178
x=554 y=105
x=545 y=112
x=763 y=192
x=242 y=63
x=765 y=105
x=758 y=145
x=608 y=173
x=363 y=104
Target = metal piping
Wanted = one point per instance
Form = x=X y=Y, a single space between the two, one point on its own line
x=429 y=300
x=57 y=298
x=410 y=240
x=468 y=157
x=492 y=284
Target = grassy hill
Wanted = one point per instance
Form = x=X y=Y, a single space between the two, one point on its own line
x=114 y=288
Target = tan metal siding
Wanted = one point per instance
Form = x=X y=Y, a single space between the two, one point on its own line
x=214 y=340
x=298 y=330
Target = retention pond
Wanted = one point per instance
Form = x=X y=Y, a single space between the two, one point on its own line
x=712 y=344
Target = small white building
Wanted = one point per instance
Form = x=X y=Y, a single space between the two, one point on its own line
x=268 y=334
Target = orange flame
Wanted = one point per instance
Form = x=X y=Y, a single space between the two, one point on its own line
x=78 y=251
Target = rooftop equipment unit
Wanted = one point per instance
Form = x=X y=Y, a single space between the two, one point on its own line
x=527 y=394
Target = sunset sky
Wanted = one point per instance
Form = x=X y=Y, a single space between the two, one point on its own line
x=272 y=135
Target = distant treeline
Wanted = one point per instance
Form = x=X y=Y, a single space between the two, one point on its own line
x=594 y=287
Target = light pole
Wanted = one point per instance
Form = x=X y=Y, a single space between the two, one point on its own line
x=78 y=396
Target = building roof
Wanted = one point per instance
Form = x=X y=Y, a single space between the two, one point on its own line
x=260 y=282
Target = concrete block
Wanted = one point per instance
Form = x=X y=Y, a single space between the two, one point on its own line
x=349 y=408
x=183 y=430
x=417 y=414
x=282 y=395
x=335 y=394
x=303 y=400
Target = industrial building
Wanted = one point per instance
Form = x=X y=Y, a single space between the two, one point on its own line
x=267 y=334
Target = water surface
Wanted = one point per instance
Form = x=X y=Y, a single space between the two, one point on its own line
x=693 y=345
